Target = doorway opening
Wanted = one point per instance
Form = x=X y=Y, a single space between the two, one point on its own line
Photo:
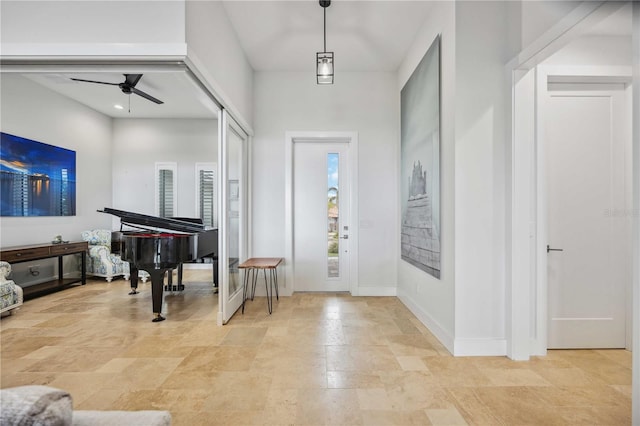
x=528 y=274
x=321 y=210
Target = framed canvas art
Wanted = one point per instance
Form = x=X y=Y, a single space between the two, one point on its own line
x=420 y=164
x=36 y=179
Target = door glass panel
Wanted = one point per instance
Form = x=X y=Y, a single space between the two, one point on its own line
x=333 y=216
x=234 y=209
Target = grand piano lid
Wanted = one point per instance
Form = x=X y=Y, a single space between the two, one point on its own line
x=130 y=218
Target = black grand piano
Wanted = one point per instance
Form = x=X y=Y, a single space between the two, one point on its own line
x=160 y=245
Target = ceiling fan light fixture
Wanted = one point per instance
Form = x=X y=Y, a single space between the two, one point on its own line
x=324 y=59
x=128 y=86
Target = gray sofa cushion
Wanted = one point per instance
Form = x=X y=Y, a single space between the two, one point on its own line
x=110 y=418
x=35 y=405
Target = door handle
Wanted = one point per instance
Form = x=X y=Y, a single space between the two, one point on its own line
x=553 y=249
x=345 y=237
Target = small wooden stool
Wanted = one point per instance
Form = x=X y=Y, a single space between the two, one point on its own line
x=253 y=266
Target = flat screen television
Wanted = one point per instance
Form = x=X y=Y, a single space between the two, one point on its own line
x=36 y=179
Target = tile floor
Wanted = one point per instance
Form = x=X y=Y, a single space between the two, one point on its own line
x=320 y=359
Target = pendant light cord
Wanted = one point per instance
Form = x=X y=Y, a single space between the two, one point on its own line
x=325 y=29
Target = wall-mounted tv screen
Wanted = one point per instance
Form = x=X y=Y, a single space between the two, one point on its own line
x=36 y=179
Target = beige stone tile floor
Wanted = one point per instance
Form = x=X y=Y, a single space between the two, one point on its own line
x=320 y=359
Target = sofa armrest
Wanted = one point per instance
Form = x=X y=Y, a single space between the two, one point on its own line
x=5 y=270
x=19 y=295
x=35 y=405
x=110 y=418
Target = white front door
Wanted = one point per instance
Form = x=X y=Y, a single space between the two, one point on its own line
x=585 y=169
x=321 y=216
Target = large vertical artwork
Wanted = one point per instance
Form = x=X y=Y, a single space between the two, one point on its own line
x=420 y=164
x=36 y=179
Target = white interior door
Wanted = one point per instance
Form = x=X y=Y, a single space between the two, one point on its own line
x=585 y=166
x=233 y=231
x=321 y=216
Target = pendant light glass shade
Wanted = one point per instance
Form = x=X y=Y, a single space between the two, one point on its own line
x=324 y=67
x=324 y=59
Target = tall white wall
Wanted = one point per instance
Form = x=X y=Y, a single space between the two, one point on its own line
x=482 y=51
x=635 y=152
x=34 y=112
x=367 y=103
x=214 y=46
x=139 y=143
x=430 y=299
x=130 y=22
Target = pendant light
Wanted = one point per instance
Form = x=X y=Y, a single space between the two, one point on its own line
x=324 y=59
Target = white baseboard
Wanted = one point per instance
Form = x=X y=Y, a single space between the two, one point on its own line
x=480 y=347
x=377 y=291
x=538 y=348
x=434 y=327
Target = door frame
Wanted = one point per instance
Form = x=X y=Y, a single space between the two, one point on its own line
x=229 y=304
x=350 y=138
x=526 y=300
x=596 y=76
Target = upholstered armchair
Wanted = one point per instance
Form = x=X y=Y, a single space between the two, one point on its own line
x=101 y=262
x=10 y=293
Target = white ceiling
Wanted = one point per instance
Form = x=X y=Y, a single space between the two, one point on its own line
x=365 y=35
x=181 y=96
x=618 y=23
x=280 y=36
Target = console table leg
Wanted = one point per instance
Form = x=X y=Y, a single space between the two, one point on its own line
x=83 y=272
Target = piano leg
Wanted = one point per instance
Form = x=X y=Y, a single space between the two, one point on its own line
x=180 y=285
x=134 y=279
x=157 y=282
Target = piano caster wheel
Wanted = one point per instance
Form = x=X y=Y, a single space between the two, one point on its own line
x=133 y=291
x=158 y=318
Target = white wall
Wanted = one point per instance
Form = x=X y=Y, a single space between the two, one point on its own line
x=139 y=143
x=214 y=47
x=539 y=16
x=636 y=218
x=594 y=51
x=482 y=50
x=430 y=299
x=93 y=21
x=31 y=111
x=367 y=103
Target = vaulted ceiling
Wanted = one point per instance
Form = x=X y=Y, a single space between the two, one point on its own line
x=365 y=35
x=281 y=36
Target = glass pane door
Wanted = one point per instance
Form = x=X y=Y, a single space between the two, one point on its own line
x=234 y=223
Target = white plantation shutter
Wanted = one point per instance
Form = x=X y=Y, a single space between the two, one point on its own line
x=206 y=193
x=166 y=189
x=165 y=195
x=206 y=196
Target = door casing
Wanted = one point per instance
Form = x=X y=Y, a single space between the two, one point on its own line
x=617 y=93
x=288 y=286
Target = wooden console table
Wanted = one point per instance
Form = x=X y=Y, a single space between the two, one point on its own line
x=20 y=254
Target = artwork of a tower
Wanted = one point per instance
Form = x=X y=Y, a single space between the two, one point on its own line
x=419 y=241
x=420 y=164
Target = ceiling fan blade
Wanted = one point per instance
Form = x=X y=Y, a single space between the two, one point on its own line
x=145 y=95
x=93 y=81
x=132 y=79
